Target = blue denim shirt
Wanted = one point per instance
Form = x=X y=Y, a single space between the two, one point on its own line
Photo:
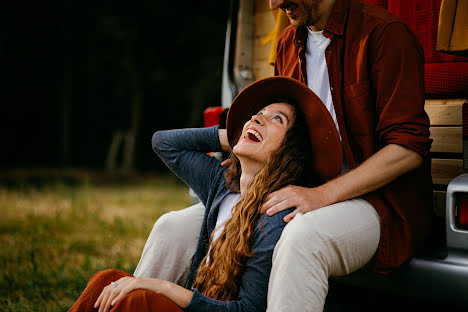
x=184 y=152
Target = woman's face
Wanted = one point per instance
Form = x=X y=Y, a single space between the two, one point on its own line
x=264 y=133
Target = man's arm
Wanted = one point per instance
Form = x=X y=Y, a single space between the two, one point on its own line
x=397 y=79
x=382 y=168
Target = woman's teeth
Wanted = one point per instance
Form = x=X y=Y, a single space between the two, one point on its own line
x=253 y=135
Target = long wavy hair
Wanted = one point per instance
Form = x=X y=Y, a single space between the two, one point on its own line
x=220 y=272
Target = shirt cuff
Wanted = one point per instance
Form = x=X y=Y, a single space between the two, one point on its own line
x=200 y=303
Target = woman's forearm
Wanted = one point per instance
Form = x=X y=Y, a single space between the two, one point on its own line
x=173 y=292
x=223 y=140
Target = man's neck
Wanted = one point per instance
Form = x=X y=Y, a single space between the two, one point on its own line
x=326 y=8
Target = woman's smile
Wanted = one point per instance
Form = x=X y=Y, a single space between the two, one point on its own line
x=253 y=135
x=264 y=133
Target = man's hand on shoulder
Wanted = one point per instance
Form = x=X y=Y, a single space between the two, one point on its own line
x=382 y=168
x=303 y=198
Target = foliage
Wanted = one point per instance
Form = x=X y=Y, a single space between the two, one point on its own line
x=71 y=71
x=54 y=237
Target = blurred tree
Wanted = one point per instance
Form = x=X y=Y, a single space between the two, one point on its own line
x=75 y=72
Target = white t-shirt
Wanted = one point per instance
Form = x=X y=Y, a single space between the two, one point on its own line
x=225 y=213
x=317 y=73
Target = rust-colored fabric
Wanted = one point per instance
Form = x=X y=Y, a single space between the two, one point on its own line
x=139 y=300
x=324 y=138
x=452 y=35
x=376 y=72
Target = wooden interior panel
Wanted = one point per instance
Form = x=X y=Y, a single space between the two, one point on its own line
x=243 y=60
x=444 y=170
x=439 y=203
x=445 y=112
x=447 y=139
x=264 y=22
x=261 y=67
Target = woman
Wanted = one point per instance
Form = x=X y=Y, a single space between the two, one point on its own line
x=271 y=142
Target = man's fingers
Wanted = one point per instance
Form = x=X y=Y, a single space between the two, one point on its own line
x=290 y=216
x=225 y=162
x=285 y=204
x=273 y=199
x=269 y=204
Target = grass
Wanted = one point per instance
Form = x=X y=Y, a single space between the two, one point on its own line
x=55 y=235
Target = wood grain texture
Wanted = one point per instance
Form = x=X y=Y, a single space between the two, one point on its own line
x=444 y=170
x=447 y=139
x=445 y=112
x=264 y=22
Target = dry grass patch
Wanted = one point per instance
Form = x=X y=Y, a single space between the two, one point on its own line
x=54 y=237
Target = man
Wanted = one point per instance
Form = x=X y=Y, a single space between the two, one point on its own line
x=367 y=68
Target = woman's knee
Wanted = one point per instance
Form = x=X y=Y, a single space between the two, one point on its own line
x=105 y=277
x=107 y=273
x=180 y=224
x=166 y=222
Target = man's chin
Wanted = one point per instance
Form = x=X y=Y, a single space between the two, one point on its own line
x=296 y=22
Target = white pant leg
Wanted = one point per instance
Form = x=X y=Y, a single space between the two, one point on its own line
x=171 y=245
x=330 y=241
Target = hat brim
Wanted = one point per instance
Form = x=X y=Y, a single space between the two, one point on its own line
x=325 y=140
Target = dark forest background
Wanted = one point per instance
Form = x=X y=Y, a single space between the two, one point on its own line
x=74 y=73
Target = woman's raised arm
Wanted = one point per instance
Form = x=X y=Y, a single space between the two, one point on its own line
x=223 y=140
x=184 y=152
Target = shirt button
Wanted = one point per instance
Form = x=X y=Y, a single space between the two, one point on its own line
x=331 y=88
x=300 y=61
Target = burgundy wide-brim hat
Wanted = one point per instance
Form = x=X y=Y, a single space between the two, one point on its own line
x=326 y=145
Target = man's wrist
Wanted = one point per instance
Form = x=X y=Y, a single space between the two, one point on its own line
x=329 y=193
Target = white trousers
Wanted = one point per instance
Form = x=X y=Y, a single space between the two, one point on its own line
x=330 y=241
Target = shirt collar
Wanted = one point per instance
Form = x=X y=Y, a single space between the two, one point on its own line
x=336 y=21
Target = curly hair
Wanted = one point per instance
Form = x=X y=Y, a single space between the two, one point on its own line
x=220 y=272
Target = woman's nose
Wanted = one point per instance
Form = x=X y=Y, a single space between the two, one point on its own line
x=258 y=119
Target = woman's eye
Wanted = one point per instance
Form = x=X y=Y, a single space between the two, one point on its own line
x=278 y=118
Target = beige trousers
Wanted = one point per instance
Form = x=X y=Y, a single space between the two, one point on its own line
x=170 y=247
x=330 y=241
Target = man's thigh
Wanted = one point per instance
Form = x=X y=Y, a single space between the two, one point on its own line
x=330 y=241
x=347 y=234
x=170 y=247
